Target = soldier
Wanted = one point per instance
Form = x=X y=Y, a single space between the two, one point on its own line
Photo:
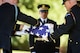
x=71 y=26
x=7 y=22
x=41 y=46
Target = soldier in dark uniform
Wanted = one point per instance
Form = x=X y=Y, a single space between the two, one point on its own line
x=71 y=26
x=40 y=46
x=7 y=22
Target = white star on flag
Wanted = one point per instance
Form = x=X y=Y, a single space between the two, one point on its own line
x=41 y=28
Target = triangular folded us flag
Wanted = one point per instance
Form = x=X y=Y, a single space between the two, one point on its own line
x=41 y=31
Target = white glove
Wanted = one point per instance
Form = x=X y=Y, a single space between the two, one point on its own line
x=45 y=37
x=23 y=32
x=26 y=28
x=33 y=52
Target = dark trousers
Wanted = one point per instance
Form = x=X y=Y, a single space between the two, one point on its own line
x=44 y=47
x=6 y=51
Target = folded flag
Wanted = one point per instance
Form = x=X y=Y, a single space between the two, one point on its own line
x=41 y=31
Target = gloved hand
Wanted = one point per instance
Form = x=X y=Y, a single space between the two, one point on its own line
x=33 y=52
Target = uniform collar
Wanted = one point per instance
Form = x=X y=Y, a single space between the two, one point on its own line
x=43 y=19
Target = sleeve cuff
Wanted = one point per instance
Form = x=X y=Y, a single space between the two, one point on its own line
x=31 y=47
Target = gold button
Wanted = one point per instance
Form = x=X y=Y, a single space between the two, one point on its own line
x=70 y=40
x=77 y=43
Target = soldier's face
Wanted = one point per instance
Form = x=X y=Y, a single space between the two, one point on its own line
x=13 y=2
x=67 y=5
x=43 y=14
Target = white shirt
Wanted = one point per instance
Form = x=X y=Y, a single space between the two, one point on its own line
x=43 y=19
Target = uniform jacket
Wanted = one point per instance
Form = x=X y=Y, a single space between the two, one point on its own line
x=7 y=22
x=31 y=38
x=72 y=27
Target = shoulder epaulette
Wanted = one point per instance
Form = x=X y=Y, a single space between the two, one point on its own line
x=68 y=14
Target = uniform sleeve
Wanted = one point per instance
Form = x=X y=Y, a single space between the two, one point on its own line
x=31 y=42
x=55 y=26
x=64 y=28
x=17 y=27
x=25 y=18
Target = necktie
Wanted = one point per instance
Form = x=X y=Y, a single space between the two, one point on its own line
x=44 y=22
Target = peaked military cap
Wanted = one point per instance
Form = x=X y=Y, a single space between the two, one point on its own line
x=43 y=7
x=78 y=1
x=64 y=1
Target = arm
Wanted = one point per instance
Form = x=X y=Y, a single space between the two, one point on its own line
x=16 y=28
x=64 y=28
x=26 y=18
x=31 y=42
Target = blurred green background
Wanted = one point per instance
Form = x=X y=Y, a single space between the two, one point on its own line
x=29 y=7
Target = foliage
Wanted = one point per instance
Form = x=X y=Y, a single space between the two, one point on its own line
x=56 y=12
x=20 y=43
x=18 y=51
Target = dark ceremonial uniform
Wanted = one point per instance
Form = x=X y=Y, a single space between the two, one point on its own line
x=7 y=22
x=41 y=46
x=72 y=27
